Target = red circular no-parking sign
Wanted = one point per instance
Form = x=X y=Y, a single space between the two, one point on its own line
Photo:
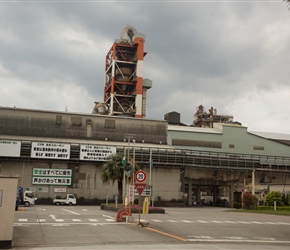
x=140 y=176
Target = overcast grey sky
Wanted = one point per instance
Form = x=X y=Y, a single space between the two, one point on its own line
x=230 y=55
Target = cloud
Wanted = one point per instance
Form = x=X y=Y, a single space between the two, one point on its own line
x=232 y=56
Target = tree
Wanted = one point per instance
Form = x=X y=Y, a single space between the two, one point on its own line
x=112 y=171
x=274 y=196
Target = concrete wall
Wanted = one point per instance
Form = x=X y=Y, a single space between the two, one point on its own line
x=8 y=189
x=87 y=181
x=166 y=183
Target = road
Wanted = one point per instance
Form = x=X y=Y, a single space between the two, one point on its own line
x=89 y=227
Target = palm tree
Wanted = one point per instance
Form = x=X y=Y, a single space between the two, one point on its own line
x=112 y=171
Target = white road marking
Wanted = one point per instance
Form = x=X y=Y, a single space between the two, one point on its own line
x=256 y=222
x=264 y=238
x=41 y=220
x=22 y=220
x=215 y=221
x=227 y=221
x=52 y=216
x=107 y=216
x=201 y=237
x=59 y=220
x=85 y=210
x=234 y=237
x=93 y=220
x=202 y=221
x=110 y=219
x=282 y=223
x=76 y=220
x=173 y=221
x=187 y=221
x=70 y=211
x=157 y=220
x=244 y=222
x=233 y=241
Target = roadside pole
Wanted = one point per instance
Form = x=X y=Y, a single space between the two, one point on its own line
x=140 y=176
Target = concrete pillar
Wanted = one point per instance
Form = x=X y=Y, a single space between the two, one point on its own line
x=8 y=190
x=198 y=195
x=231 y=194
x=189 y=192
x=253 y=182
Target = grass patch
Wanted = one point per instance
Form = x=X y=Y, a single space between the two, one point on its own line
x=285 y=213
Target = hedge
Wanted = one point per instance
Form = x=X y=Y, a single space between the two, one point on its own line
x=278 y=208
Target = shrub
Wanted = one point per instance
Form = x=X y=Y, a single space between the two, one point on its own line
x=249 y=201
x=237 y=205
x=274 y=196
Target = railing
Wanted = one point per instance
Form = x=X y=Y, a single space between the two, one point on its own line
x=164 y=157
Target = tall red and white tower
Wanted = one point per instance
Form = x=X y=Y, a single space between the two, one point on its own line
x=124 y=88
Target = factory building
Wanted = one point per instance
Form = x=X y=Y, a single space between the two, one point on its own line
x=189 y=163
x=212 y=160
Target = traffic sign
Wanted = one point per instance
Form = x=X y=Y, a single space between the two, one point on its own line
x=146 y=206
x=140 y=187
x=140 y=176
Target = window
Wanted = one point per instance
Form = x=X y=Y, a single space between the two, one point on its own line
x=109 y=123
x=58 y=120
x=258 y=148
x=193 y=143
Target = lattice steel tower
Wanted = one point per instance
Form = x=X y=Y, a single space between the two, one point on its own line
x=124 y=88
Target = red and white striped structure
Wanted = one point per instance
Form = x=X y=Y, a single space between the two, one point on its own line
x=124 y=88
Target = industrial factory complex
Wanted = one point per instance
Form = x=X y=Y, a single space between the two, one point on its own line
x=213 y=159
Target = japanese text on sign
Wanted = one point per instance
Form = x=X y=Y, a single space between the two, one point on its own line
x=49 y=150
x=48 y=176
x=145 y=206
x=96 y=152
x=52 y=172
x=51 y=180
x=146 y=192
x=10 y=148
